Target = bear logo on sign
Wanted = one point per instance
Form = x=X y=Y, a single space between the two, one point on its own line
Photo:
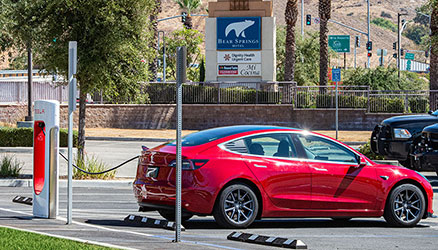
x=239 y=28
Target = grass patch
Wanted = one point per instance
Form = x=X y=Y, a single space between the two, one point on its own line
x=92 y=165
x=385 y=23
x=10 y=166
x=16 y=239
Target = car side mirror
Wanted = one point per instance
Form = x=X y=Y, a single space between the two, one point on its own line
x=362 y=162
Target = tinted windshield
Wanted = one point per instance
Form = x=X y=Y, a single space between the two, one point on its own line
x=210 y=135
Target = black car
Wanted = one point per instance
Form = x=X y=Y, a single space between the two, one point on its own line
x=398 y=138
x=425 y=149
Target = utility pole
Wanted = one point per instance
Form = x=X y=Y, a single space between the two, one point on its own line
x=398 y=45
x=302 y=19
x=29 y=84
x=368 y=22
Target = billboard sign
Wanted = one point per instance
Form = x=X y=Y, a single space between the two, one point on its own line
x=339 y=43
x=239 y=57
x=238 y=33
x=240 y=70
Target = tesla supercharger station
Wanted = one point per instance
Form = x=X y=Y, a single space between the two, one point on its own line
x=45 y=159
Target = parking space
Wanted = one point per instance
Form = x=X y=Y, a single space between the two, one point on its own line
x=99 y=213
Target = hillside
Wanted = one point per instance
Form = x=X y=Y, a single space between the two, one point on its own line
x=349 y=12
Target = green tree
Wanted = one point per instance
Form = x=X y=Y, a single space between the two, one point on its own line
x=290 y=16
x=113 y=38
x=190 y=38
x=189 y=6
x=5 y=21
x=307 y=70
x=324 y=10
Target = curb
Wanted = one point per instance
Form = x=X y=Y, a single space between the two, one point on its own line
x=151 y=222
x=76 y=183
x=27 y=150
x=98 y=138
x=267 y=240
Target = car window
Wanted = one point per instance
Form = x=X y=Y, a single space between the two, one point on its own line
x=318 y=148
x=275 y=144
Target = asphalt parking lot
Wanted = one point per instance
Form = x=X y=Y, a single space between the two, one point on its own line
x=99 y=213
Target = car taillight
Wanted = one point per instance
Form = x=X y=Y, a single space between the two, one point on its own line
x=189 y=164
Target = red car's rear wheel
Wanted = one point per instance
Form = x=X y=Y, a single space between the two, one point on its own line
x=237 y=207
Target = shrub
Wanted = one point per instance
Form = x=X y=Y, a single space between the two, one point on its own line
x=419 y=105
x=385 y=23
x=387 y=105
x=10 y=167
x=366 y=150
x=303 y=100
x=23 y=137
x=92 y=165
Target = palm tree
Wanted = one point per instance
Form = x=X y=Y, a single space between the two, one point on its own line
x=290 y=15
x=188 y=6
x=324 y=16
x=434 y=54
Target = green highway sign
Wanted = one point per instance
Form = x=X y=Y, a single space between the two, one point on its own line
x=408 y=65
x=410 y=56
x=339 y=43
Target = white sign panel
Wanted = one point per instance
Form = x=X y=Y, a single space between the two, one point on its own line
x=239 y=70
x=239 y=57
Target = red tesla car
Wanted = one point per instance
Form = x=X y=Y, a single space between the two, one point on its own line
x=241 y=173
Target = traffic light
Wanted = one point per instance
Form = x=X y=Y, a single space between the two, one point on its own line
x=370 y=54
x=426 y=53
x=183 y=17
x=308 y=19
x=394 y=46
x=402 y=52
x=369 y=46
x=357 y=41
x=394 y=55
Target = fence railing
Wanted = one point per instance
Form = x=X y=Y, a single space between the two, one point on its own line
x=16 y=92
x=302 y=97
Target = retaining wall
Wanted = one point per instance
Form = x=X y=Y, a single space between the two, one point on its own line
x=198 y=116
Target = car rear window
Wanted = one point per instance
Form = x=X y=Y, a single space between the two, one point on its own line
x=209 y=135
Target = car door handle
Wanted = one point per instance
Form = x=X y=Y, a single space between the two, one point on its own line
x=321 y=169
x=260 y=166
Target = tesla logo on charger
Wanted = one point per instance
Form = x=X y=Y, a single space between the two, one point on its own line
x=39 y=111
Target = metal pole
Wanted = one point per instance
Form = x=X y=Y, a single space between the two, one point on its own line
x=302 y=19
x=398 y=46
x=345 y=60
x=164 y=58
x=354 y=54
x=181 y=54
x=29 y=84
x=72 y=61
x=337 y=111
x=164 y=53
x=368 y=22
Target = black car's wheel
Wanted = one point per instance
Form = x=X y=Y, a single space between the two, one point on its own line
x=237 y=207
x=405 y=206
x=170 y=215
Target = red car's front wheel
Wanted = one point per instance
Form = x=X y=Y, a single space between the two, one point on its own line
x=405 y=207
x=237 y=207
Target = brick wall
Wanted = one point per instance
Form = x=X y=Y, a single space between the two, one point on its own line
x=196 y=116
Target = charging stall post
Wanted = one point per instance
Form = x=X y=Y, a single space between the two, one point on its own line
x=336 y=77
x=45 y=159
x=181 y=54
x=72 y=65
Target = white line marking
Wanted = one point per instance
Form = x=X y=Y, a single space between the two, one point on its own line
x=71 y=238
x=131 y=232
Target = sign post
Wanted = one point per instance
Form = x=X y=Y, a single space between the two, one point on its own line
x=336 y=77
x=181 y=54
x=72 y=66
